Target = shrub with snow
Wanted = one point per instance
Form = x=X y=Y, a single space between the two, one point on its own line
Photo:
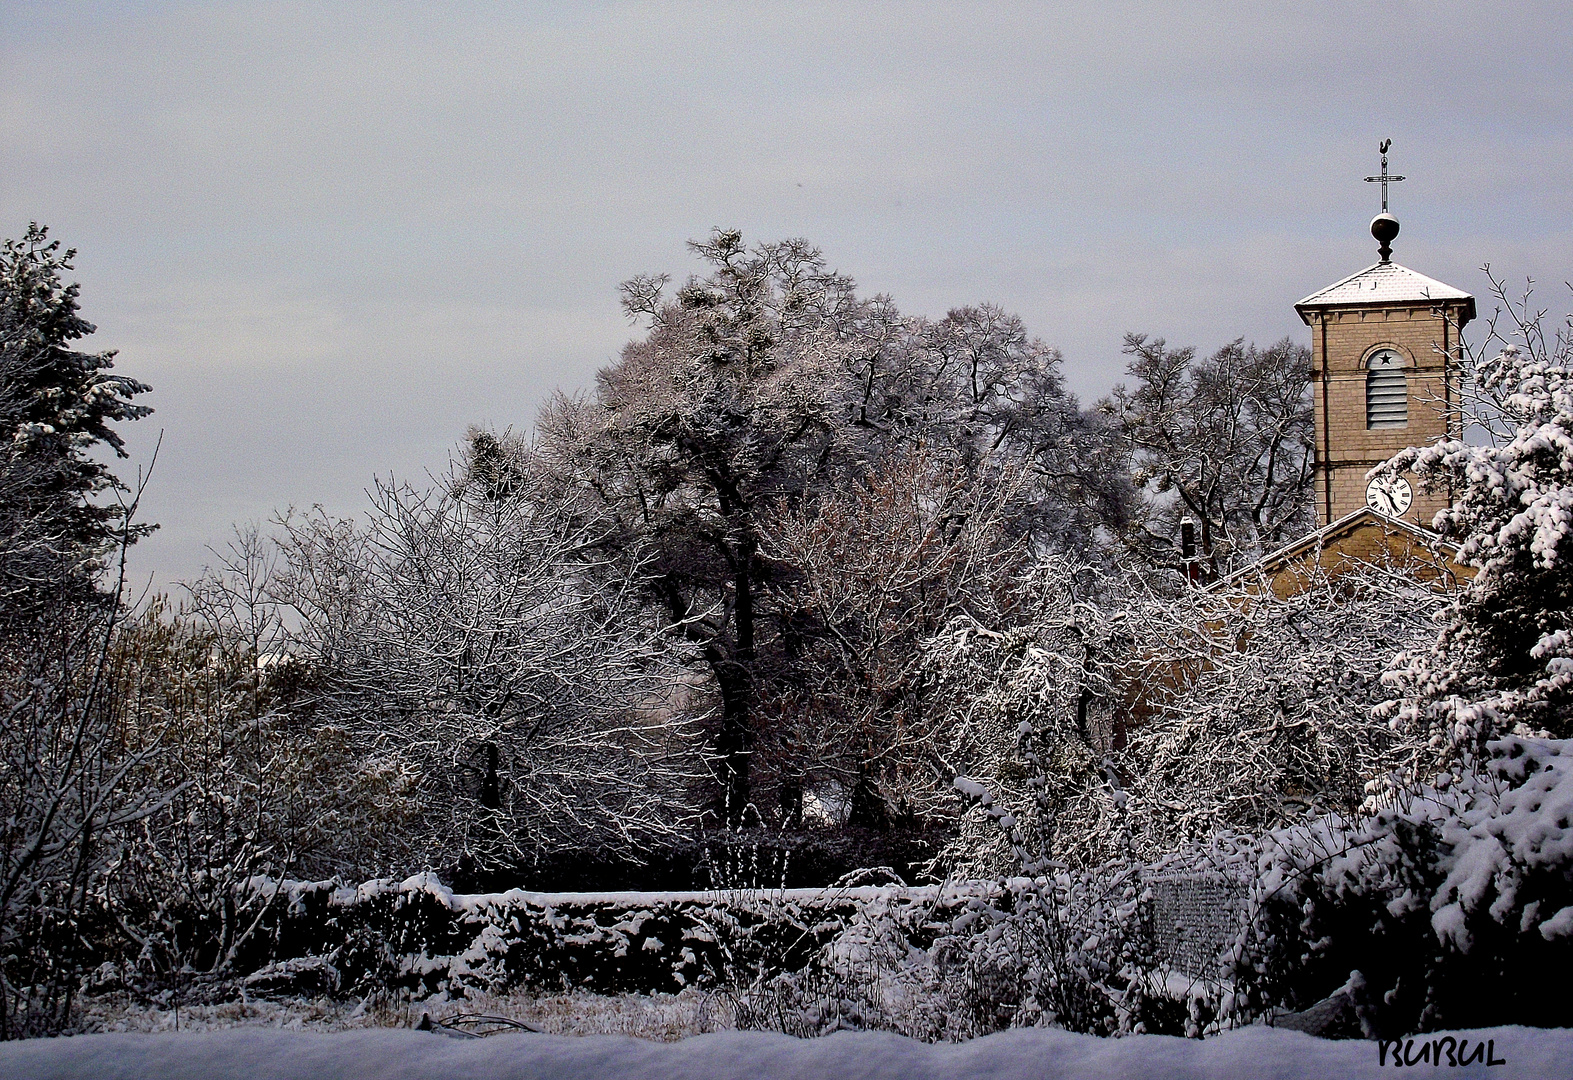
x=1454 y=904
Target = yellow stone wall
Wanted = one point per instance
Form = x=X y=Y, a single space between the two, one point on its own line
x=1345 y=448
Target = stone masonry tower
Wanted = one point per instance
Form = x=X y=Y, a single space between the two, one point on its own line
x=1385 y=363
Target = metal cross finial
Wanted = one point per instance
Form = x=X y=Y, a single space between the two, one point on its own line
x=1384 y=179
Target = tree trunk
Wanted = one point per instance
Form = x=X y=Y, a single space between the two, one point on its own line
x=491 y=788
x=735 y=676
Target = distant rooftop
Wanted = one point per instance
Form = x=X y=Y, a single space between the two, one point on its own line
x=1384 y=283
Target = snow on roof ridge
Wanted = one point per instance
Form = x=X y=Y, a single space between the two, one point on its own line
x=1390 y=282
x=1338 y=283
x=1319 y=537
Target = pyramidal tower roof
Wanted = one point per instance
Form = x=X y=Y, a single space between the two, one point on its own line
x=1384 y=284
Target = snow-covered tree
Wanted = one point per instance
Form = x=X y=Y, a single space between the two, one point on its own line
x=768 y=385
x=1503 y=660
x=464 y=637
x=73 y=787
x=63 y=796
x=727 y=409
x=995 y=396
x=876 y=570
x=66 y=787
x=56 y=406
x=1226 y=440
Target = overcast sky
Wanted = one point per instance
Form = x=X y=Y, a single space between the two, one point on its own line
x=332 y=237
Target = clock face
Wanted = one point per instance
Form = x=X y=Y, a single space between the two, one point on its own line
x=1389 y=495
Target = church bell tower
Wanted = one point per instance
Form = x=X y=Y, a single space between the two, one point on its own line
x=1385 y=369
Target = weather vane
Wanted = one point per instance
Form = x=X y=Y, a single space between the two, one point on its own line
x=1384 y=179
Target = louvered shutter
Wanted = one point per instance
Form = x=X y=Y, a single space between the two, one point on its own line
x=1386 y=391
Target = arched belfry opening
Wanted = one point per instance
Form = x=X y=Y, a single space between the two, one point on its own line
x=1386 y=390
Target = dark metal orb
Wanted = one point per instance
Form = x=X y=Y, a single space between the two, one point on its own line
x=1384 y=227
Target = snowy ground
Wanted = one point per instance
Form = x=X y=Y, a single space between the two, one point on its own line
x=682 y=1035
x=255 y=1053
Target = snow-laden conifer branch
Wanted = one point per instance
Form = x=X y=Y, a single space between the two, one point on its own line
x=1502 y=660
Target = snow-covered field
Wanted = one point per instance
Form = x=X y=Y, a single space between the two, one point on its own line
x=256 y=1053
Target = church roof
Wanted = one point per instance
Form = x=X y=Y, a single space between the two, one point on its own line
x=1384 y=283
x=1363 y=538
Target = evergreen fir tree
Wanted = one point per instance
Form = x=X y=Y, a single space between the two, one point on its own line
x=57 y=406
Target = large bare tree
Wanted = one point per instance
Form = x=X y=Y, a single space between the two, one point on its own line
x=1226 y=440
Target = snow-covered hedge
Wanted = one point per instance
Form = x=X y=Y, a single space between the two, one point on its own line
x=1454 y=905
x=938 y=962
x=418 y=935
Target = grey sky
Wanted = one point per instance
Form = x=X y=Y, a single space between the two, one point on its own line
x=334 y=236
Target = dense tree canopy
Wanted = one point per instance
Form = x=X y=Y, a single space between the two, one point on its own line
x=761 y=390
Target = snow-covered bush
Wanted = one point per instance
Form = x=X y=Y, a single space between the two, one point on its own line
x=1085 y=949
x=1134 y=716
x=1053 y=680
x=1451 y=906
x=1454 y=904
x=1248 y=710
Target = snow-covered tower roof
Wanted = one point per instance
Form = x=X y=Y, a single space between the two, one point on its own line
x=1384 y=284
